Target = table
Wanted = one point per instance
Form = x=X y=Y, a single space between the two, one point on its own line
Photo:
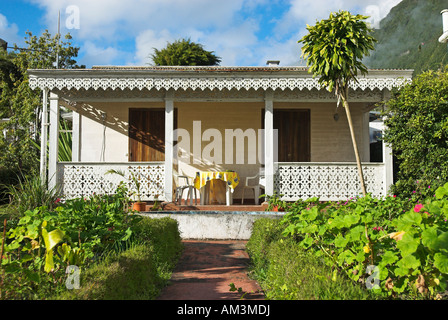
x=231 y=179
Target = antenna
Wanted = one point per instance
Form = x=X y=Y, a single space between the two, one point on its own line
x=59 y=36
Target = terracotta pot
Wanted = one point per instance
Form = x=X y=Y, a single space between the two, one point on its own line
x=277 y=208
x=139 y=206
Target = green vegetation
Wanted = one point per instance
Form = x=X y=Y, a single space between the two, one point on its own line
x=417 y=128
x=334 y=49
x=286 y=271
x=98 y=235
x=394 y=248
x=137 y=273
x=408 y=37
x=184 y=53
x=22 y=105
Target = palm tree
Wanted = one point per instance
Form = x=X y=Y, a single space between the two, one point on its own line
x=334 y=49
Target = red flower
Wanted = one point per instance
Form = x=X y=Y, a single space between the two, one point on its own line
x=58 y=200
x=418 y=207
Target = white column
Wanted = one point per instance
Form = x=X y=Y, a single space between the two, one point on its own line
x=44 y=137
x=388 y=163
x=76 y=137
x=169 y=153
x=54 y=140
x=269 y=143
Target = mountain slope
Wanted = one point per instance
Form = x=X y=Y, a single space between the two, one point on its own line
x=408 y=37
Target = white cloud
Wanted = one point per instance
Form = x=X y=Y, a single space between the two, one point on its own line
x=230 y=28
x=145 y=43
x=311 y=11
x=95 y=55
x=9 y=32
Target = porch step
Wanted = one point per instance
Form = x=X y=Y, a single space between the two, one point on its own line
x=170 y=206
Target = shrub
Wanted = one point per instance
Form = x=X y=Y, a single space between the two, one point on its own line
x=287 y=272
x=37 y=249
x=407 y=250
x=30 y=193
x=417 y=129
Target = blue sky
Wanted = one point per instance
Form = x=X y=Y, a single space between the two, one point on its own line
x=124 y=32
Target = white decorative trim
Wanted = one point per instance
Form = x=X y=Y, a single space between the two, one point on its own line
x=277 y=79
x=204 y=83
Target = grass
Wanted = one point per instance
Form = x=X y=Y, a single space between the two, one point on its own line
x=138 y=272
x=286 y=272
x=135 y=270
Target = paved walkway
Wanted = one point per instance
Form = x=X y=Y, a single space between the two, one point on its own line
x=206 y=270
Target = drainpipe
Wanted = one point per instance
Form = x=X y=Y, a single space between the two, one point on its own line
x=444 y=37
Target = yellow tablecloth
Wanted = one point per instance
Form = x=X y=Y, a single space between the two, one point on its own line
x=232 y=179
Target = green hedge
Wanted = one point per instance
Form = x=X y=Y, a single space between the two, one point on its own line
x=137 y=273
x=287 y=272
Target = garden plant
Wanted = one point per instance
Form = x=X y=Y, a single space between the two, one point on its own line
x=38 y=248
x=395 y=247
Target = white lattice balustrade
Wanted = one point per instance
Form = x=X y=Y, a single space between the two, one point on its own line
x=328 y=181
x=85 y=179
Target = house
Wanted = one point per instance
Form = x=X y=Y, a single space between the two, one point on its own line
x=161 y=121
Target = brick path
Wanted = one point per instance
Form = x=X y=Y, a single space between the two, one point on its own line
x=207 y=268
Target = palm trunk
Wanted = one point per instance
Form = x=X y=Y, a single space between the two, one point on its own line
x=355 y=146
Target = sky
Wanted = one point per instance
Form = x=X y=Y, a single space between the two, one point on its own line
x=125 y=32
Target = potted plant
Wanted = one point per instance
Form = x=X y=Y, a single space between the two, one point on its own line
x=139 y=205
x=275 y=202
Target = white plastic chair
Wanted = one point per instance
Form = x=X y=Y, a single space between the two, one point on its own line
x=182 y=184
x=255 y=186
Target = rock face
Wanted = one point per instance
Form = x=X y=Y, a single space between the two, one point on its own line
x=408 y=37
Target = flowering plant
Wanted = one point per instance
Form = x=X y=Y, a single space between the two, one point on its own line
x=408 y=245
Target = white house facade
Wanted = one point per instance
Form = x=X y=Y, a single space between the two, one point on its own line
x=159 y=122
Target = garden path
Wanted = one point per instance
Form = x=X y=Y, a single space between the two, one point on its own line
x=207 y=268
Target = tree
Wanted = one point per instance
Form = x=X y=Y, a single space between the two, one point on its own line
x=184 y=53
x=23 y=106
x=334 y=49
x=417 y=127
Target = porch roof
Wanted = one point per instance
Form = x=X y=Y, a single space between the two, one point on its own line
x=201 y=78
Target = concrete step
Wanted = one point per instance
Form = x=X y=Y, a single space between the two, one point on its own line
x=170 y=206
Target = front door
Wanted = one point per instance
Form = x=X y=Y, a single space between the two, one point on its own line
x=293 y=127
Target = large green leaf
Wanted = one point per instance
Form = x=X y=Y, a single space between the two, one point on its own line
x=442 y=191
x=51 y=239
x=441 y=262
x=429 y=238
x=409 y=262
x=408 y=244
x=310 y=214
x=340 y=241
x=350 y=220
x=389 y=257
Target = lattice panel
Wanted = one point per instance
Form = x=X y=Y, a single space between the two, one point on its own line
x=329 y=182
x=79 y=180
